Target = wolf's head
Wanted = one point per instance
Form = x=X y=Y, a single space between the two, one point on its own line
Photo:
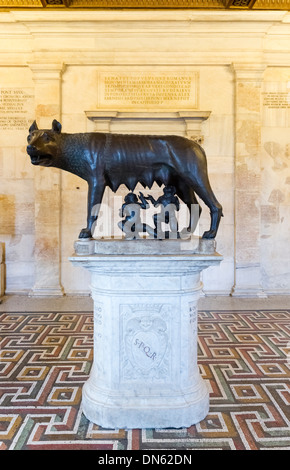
x=43 y=143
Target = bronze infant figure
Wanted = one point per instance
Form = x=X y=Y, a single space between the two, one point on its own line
x=113 y=159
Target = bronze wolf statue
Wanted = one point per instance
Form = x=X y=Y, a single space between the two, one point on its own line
x=114 y=159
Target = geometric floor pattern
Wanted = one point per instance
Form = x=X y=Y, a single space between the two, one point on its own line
x=244 y=356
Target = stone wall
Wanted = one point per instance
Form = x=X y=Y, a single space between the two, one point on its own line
x=225 y=80
x=2 y=271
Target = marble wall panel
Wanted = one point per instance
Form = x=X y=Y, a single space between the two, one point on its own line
x=211 y=278
x=81 y=82
x=75 y=282
x=219 y=135
x=275 y=177
x=19 y=276
x=217 y=92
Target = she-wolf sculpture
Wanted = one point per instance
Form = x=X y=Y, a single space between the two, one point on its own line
x=113 y=159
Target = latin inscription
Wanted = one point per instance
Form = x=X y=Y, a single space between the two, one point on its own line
x=192 y=329
x=16 y=108
x=144 y=90
x=99 y=344
x=276 y=100
x=192 y=313
x=145 y=349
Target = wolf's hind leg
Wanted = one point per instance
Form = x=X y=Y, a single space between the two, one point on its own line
x=203 y=189
x=216 y=213
x=187 y=195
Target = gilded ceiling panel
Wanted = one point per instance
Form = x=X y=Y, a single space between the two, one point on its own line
x=149 y=4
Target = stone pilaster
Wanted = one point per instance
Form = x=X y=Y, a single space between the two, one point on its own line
x=248 y=117
x=2 y=271
x=47 y=187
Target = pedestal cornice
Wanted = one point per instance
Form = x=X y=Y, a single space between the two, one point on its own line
x=144 y=263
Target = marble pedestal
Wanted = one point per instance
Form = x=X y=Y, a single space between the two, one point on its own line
x=145 y=293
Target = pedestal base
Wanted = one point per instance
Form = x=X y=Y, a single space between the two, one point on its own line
x=166 y=411
x=145 y=372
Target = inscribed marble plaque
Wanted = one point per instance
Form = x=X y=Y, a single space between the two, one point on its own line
x=16 y=108
x=279 y=100
x=148 y=90
x=276 y=104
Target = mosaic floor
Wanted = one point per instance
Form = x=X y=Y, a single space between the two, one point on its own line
x=45 y=358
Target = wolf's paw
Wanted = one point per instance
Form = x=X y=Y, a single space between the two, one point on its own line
x=209 y=234
x=85 y=233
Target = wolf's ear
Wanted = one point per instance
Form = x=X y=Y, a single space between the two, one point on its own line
x=33 y=127
x=56 y=126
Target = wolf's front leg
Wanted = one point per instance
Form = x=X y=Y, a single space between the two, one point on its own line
x=95 y=194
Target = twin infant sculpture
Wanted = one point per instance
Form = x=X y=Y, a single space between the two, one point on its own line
x=104 y=159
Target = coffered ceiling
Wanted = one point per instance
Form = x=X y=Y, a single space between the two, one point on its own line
x=147 y=4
